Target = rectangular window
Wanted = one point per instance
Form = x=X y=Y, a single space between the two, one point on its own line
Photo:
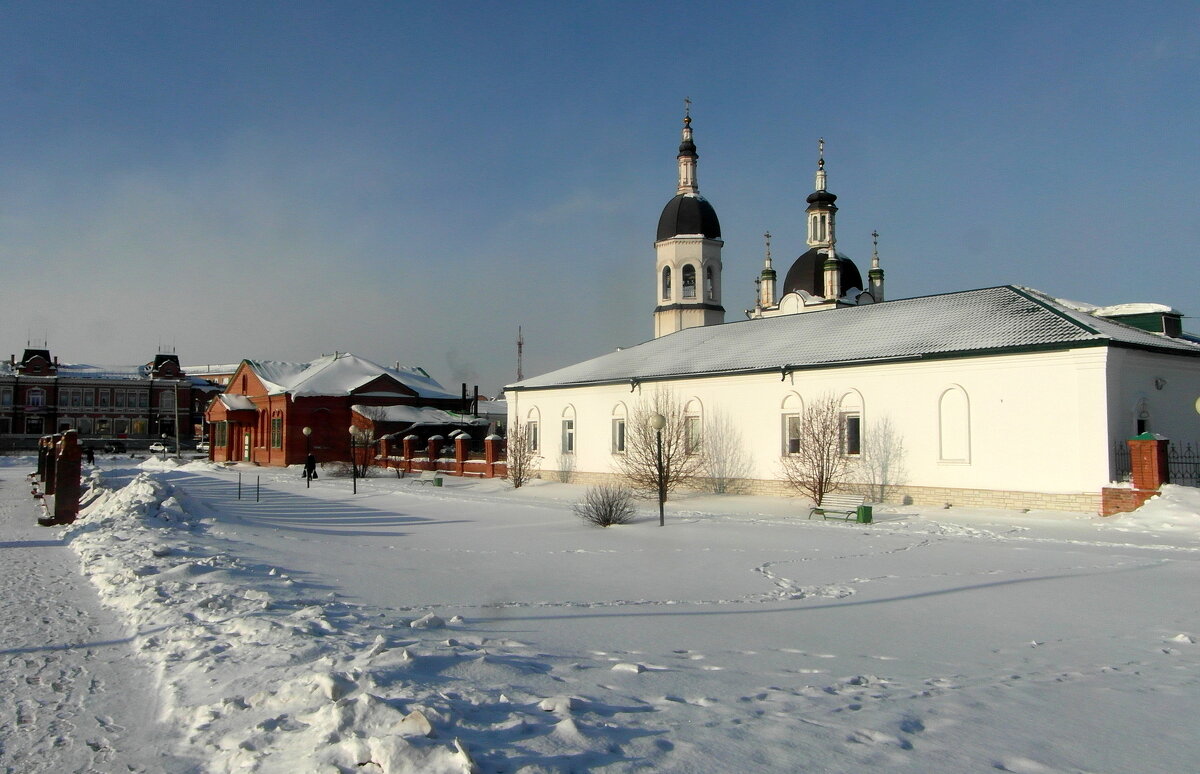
x=64 y=398
x=691 y=434
x=221 y=434
x=166 y=399
x=33 y=425
x=6 y=396
x=791 y=433
x=618 y=436
x=5 y=425
x=276 y=432
x=119 y=398
x=139 y=427
x=851 y=434
x=101 y=426
x=531 y=433
x=89 y=398
x=568 y=436
x=143 y=400
x=36 y=397
x=120 y=426
x=102 y=398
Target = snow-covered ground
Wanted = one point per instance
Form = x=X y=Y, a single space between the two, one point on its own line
x=410 y=628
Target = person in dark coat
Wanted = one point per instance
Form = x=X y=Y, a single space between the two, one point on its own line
x=91 y=456
x=310 y=467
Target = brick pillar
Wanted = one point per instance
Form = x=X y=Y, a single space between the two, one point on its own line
x=385 y=452
x=66 y=496
x=435 y=450
x=462 y=449
x=409 y=451
x=493 y=452
x=1148 y=458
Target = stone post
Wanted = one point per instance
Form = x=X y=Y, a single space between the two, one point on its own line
x=434 y=450
x=49 y=480
x=493 y=451
x=462 y=449
x=409 y=451
x=1148 y=460
x=66 y=496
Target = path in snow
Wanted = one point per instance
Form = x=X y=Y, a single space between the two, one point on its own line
x=71 y=697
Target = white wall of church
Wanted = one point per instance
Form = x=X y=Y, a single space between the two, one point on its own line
x=1160 y=390
x=1034 y=422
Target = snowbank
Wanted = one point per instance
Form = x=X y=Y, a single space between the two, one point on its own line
x=261 y=674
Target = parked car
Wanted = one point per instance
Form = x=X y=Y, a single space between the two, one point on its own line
x=202 y=447
x=159 y=448
x=114 y=447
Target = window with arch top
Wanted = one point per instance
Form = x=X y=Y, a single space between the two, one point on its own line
x=666 y=283
x=689 y=281
x=710 y=291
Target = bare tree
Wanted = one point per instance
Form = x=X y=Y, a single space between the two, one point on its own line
x=566 y=468
x=639 y=463
x=724 y=461
x=364 y=439
x=605 y=505
x=818 y=466
x=522 y=458
x=882 y=461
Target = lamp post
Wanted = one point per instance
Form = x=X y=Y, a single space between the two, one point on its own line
x=658 y=422
x=353 y=463
x=166 y=450
x=307 y=453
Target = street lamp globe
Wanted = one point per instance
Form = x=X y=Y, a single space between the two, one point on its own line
x=658 y=421
x=307 y=431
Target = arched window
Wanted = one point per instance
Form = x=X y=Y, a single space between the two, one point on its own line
x=710 y=292
x=852 y=412
x=666 y=283
x=792 y=410
x=689 y=281
x=531 y=429
x=692 y=413
x=619 y=416
x=954 y=426
x=568 y=431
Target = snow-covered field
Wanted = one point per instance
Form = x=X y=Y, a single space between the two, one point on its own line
x=476 y=628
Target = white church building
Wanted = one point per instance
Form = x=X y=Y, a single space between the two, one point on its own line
x=1001 y=396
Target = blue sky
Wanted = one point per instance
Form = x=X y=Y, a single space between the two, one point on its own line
x=412 y=181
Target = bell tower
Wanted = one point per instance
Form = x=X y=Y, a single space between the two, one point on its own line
x=687 y=279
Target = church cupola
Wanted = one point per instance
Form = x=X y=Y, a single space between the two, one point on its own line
x=875 y=274
x=687 y=277
x=766 y=280
x=821 y=207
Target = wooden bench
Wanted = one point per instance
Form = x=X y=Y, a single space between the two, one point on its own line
x=430 y=477
x=838 y=506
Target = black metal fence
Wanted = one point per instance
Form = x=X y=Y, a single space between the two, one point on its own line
x=1183 y=463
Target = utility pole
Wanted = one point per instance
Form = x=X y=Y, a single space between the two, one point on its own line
x=520 y=354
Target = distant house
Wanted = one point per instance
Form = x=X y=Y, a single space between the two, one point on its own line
x=39 y=395
x=261 y=415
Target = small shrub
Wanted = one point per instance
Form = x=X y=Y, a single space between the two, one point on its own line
x=605 y=505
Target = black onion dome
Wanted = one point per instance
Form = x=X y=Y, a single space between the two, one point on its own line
x=688 y=214
x=822 y=197
x=808 y=274
x=688 y=148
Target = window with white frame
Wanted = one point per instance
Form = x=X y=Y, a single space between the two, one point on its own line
x=666 y=283
x=618 y=435
x=791 y=433
x=851 y=434
x=277 y=432
x=954 y=426
x=35 y=396
x=6 y=395
x=568 y=436
x=531 y=434
x=691 y=433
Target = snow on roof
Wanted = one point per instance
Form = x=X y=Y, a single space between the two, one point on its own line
x=236 y=402
x=1118 y=310
x=983 y=321
x=417 y=415
x=339 y=374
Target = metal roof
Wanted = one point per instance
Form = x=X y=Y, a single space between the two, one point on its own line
x=985 y=321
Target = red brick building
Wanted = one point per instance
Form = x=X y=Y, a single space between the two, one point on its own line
x=261 y=415
x=138 y=404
